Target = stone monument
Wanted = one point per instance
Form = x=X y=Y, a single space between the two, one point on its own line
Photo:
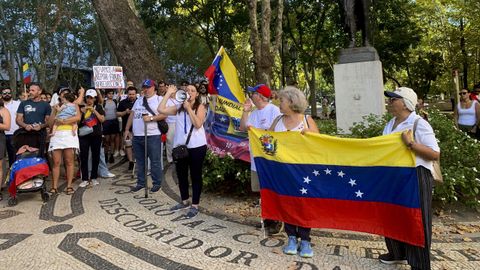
x=358 y=75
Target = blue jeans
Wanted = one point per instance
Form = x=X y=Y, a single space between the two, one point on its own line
x=154 y=154
x=102 y=165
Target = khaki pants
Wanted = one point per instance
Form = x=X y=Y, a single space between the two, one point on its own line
x=255 y=184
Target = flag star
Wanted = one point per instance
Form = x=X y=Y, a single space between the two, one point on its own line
x=359 y=193
x=223 y=119
x=352 y=182
x=327 y=171
x=341 y=174
x=303 y=190
x=315 y=172
x=306 y=180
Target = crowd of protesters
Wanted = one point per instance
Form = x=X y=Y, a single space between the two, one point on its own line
x=96 y=127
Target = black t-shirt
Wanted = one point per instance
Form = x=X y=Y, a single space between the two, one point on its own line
x=34 y=112
x=97 y=128
x=123 y=106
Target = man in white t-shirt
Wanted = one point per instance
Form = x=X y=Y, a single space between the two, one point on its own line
x=12 y=107
x=137 y=119
x=262 y=117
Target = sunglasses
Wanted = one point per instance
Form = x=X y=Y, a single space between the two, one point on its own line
x=6 y=93
x=463 y=93
x=392 y=99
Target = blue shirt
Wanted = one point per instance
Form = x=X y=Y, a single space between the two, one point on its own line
x=34 y=112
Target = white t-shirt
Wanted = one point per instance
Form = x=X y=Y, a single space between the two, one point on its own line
x=424 y=135
x=262 y=119
x=12 y=107
x=138 y=112
x=182 y=128
x=172 y=118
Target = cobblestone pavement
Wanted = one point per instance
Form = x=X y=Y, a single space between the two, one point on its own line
x=108 y=227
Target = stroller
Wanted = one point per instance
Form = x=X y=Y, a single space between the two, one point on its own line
x=29 y=171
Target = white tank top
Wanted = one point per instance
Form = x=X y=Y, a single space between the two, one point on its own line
x=467 y=117
x=182 y=128
x=280 y=126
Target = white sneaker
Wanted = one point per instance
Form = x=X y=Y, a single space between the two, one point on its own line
x=84 y=184
x=122 y=153
x=109 y=175
x=115 y=154
x=95 y=182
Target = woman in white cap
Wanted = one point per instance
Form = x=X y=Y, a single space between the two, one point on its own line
x=418 y=136
x=90 y=134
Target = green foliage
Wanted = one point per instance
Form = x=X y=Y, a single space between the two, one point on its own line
x=459 y=162
x=459 y=157
x=226 y=174
x=328 y=126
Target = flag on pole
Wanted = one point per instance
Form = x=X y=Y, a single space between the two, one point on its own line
x=223 y=121
x=27 y=75
x=319 y=181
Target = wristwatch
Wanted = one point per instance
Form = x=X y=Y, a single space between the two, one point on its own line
x=151 y=118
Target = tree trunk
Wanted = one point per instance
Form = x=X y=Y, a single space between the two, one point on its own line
x=263 y=50
x=129 y=39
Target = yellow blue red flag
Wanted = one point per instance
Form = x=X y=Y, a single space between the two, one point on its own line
x=320 y=181
x=223 y=121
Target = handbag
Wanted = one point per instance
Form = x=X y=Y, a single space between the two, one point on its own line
x=181 y=151
x=162 y=124
x=436 y=169
x=84 y=130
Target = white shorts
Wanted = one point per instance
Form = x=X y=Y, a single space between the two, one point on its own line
x=63 y=139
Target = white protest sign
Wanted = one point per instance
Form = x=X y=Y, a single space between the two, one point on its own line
x=108 y=77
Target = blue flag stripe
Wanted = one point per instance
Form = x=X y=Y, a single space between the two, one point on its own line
x=396 y=185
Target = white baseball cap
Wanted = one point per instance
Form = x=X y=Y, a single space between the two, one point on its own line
x=407 y=94
x=91 y=93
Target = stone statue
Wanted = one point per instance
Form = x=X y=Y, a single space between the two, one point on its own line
x=356 y=17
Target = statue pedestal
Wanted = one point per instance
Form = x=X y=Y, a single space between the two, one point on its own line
x=358 y=86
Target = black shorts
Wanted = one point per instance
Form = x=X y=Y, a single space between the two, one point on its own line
x=111 y=127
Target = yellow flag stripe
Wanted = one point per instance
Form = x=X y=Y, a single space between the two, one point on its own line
x=231 y=77
x=295 y=148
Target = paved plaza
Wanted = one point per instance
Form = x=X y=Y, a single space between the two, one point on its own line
x=108 y=227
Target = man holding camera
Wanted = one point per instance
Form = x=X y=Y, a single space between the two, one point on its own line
x=143 y=118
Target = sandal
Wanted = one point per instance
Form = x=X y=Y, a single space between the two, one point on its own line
x=69 y=191
x=53 y=191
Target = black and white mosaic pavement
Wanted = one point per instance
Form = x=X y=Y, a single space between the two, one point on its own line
x=108 y=227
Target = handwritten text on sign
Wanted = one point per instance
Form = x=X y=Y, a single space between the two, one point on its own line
x=108 y=77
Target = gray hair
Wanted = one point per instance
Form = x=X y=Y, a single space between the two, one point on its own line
x=298 y=101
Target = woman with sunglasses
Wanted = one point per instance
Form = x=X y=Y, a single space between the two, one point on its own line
x=418 y=137
x=467 y=113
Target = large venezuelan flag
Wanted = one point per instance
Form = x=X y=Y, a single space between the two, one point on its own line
x=319 y=181
x=223 y=121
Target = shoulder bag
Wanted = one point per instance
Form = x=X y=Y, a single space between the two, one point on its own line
x=162 y=124
x=436 y=171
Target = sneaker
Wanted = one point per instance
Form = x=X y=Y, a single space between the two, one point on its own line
x=292 y=246
x=305 y=249
x=179 y=207
x=131 y=164
x=390 y=259
x=95 y=182
x=193 y=212
x=122 y=153
x=136 y=188
x=84 y=184
x=109 y=175
x=116 y=153
x=155 y=188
